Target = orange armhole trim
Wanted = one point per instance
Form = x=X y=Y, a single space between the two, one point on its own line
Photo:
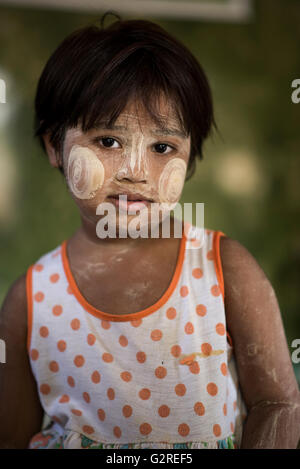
x=217 y=259
x=218 y=267
x=29 y=305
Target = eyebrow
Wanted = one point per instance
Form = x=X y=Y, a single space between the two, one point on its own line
x=159 y=131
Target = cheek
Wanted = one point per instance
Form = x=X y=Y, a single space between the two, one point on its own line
x=171 y=180
x=85 y=172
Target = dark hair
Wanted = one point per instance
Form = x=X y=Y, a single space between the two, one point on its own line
x=95 y=71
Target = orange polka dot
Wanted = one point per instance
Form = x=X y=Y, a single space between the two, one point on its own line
x=199 y=408
x=44 y=331
x=180 y=389
x=57 y=310
x=184 y=291
x=176 y=351
x=164 y=411
x=126 y=376
x=86 y=397
x=156 y=334
x=79 y=361
x=210 y=255
x=195 y=243
x=64 y=398
x=107 y=357
x=45 y=388
x=39 y=296
x=101 y=414
x=34 y=354
x=127 y=411
x=183 y=429
x=194 y=368
x=105 y=324
x=71 y=381
x=38 y=267
x=212 y=389
x=75 y=324
x=54 y=278
x=110 y=394
x=224 y=369
x=234 y=405
x=145 y=428
x=53 y=366
x=91 y=339
x=171 y=313
x=160 y=372
x=76 y=412
x=215 y=290
x=231 y=427
x=61 y=345
x=123 y=341
x=220 y=328
x=145 y=394
x=95 y=377
x=201 y=310
x=69 y=290
x=117 y=432
x=141 y=357
x=197 y=273
x=225 y=409
x=88 y=429
x=136 y=322
x=206 y=349
x=189 y=328
x=217 y=430
x=55 y=254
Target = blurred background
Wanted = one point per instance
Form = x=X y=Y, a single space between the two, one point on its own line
x=249 y=177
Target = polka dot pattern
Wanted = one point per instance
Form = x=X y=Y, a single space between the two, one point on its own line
x=116 y=377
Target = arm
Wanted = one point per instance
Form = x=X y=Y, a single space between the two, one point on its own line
x=266 y=375
x=20 y=411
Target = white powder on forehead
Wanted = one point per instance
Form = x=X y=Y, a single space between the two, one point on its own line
x=171 y=181
x=85 y=172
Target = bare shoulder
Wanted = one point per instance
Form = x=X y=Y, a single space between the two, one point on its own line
x=20 y=409
x=255 y=323
x=13 y=313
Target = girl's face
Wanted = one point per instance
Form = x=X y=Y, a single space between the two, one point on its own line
x=134 y=158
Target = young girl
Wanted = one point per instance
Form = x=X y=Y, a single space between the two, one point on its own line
x=138 y=342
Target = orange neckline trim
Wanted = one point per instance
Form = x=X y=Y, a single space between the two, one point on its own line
x=131 y=316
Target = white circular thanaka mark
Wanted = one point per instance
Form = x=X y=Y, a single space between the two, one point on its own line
x=85 y=172
x=171 y=181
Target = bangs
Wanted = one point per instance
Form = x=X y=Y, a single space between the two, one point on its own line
x=137 y=78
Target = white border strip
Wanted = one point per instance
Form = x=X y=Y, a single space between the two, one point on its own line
x=231 y=11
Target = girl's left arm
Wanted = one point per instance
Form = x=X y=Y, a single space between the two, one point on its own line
x=265 y=370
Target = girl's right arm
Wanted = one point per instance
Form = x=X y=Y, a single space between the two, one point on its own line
x=21 y=413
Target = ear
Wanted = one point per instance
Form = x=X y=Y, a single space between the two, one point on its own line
x=53 y=155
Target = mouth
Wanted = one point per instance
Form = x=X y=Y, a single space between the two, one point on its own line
x=133 y=201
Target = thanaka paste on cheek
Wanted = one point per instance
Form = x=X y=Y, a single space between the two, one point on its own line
x=85 y=172
x=171 y=181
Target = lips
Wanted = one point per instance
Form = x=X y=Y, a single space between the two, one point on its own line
x=134 y=201
x=136 y=196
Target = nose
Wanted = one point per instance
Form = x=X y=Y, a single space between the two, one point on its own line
x=133 y=168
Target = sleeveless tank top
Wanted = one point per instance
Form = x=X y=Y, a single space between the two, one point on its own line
x=163 y=377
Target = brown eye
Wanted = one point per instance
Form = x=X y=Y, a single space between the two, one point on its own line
x=161 y=147
x=107 y=141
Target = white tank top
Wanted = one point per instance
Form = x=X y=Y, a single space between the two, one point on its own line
x=163 y=377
